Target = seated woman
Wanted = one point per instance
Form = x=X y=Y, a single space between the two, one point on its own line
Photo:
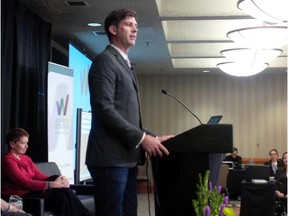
x=21 y=177
x=274 y=163
x=281 y=180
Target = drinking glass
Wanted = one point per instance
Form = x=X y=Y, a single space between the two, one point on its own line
x=16 y=201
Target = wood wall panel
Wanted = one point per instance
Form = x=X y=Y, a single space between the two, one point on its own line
x=256 y=106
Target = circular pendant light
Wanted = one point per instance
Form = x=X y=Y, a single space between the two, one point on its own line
x=270 y=11
x=251 y=56
x=242 y=70
x=263 y=37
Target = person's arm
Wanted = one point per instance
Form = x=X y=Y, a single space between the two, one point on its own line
x=239 y=160
x=25 y=181
x=278 y=184
x=6 y=207
x=226 y=158
x=280 y=194
x=152 y=145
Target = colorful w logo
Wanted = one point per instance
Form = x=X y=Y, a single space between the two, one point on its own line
x=61 y=106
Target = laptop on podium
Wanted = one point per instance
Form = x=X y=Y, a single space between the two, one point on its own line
x=214 y=119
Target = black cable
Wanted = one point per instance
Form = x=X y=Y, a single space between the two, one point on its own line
x=155 y=173
x=148 y=186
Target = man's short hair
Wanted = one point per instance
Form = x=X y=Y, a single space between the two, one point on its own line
x=115 y=17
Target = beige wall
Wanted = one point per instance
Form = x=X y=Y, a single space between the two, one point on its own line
x=256 y=106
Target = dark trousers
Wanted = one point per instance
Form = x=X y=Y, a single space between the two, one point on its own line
x=15 y=214
x=115 y=191
x=60 y=201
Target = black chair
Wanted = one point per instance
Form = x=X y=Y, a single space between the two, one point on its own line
x=223 y=175
x=36 y=205
x=280 y=206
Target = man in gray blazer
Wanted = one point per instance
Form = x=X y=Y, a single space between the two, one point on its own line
x=117 y=137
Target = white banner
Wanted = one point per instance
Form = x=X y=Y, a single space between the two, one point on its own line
x=60 y=119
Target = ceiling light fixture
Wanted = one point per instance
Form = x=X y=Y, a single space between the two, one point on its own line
x=94 y=24
x=241 y=70
x=270 y=11
x=251 y=56
x=263 y=37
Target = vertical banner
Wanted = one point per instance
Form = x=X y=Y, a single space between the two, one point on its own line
x=80 y=65
x=60 y=119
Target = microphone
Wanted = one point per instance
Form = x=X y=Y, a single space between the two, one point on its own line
x=167 y=93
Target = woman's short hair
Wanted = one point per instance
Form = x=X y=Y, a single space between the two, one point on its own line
x=275 y=150
x=15 y=134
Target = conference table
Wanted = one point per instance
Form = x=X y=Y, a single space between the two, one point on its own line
x=257 y=199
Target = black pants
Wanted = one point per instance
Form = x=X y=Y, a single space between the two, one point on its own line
x=15 y=214
x=60 y=201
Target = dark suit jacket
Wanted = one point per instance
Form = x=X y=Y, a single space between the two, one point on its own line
x=279 y=164
x=116 y=123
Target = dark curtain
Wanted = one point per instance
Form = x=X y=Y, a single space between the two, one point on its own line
x=25 y=52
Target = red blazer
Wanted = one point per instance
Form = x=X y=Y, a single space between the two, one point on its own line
x=21 y=176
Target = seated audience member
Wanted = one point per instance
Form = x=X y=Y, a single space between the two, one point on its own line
x=11 y=210
x=235 y=158
x=274 y=163
x=281 y=178
x=281 y=185
x=20 y=176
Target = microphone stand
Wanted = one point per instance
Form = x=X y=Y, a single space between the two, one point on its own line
x=167 y=93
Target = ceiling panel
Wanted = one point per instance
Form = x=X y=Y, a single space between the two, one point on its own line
x=188 y=8
x=198 y=49
x=201 y=30
x=179 y=29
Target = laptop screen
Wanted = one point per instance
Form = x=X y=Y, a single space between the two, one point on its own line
x=215 y=119
x=257 y=172
x=229 y=163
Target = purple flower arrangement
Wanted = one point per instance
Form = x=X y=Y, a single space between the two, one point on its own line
x=210 y=202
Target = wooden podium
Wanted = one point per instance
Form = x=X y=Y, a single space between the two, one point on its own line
x=176 y=175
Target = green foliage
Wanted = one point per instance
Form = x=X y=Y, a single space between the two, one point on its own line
x=203 y=194
x=209 y=202
x=229 y=212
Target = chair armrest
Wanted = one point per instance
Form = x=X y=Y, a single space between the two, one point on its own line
x=33 y=205
x=83 y=189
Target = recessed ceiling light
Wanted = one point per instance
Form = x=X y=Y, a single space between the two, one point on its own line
x=94 y=24
x=205 y=71
x=77 y=3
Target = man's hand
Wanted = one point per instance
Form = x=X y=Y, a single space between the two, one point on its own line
x=153 y=145
x=164 y=138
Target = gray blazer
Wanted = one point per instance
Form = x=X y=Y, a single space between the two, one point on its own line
x=116 y=123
